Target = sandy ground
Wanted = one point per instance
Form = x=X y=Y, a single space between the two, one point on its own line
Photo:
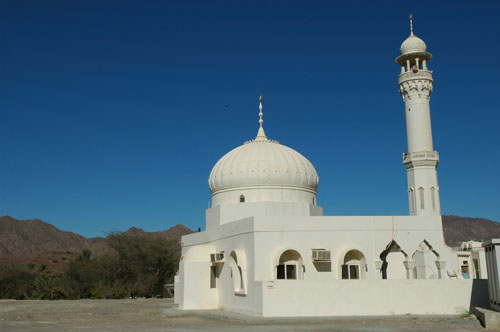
x=161 y=315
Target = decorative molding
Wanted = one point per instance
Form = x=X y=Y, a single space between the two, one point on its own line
x=416 y=88
x=420 y=158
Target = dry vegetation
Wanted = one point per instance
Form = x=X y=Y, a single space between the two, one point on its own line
x=137 y=266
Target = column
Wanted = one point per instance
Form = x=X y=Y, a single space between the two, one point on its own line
x=409 y=265
x=441 y=265
x=378 y=269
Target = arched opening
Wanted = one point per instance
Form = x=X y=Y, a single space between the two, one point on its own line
x=393 y=262
x=242 y=199
x=411 y=199
x=421 y=198
x=433 y=198
x=236 y=273
x=354 y=265
x=289 y=266
x=425 y=262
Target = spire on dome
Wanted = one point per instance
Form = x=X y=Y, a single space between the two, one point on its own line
x=261 y=135
x=411 y=24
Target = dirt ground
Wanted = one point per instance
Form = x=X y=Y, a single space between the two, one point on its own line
x=161 y=315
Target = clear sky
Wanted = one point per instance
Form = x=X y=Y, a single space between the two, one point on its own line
x=112 y=113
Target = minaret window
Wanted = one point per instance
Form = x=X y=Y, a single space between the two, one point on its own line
x=433 y=198
x=421 y=198
x=242 y=199
x=412 y=199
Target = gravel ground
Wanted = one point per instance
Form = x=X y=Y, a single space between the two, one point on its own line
x=161 y=315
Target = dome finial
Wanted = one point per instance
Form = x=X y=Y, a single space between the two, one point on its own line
x=411 y=24
x=260 y=133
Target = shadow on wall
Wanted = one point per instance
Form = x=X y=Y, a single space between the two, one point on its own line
x=479 y=296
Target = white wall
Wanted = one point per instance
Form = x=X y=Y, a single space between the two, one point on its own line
x=264 y=238
x=284 y=298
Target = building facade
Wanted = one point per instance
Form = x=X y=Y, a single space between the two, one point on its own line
x=268 y=249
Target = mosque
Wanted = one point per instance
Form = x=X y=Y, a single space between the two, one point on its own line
x=268 y=250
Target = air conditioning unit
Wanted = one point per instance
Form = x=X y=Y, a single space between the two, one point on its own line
x=321 y=255
x=217 y=257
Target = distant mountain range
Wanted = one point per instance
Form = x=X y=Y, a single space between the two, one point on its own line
x=459 y=229
x=40 y=242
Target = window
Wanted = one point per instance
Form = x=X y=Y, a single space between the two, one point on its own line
x=411 y=198
x=354 y=260
x=242 y=199
x=287 y=271
x=433 y=198
x=290 y=265
x=465 y=270
x=350 y=271
x=421 y=198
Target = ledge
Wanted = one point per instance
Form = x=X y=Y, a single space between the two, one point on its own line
x=489 y=319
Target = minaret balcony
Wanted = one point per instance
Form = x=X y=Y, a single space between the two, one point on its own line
x=420 y=74
x=420 y=158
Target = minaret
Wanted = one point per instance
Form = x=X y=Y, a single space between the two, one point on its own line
x=415 y=85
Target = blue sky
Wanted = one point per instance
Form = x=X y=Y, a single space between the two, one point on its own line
x=112 y=113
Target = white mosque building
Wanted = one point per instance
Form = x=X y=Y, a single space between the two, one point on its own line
x=268 y=250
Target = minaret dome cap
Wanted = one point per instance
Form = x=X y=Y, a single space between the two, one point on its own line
x=413 y=47
x=413 y=44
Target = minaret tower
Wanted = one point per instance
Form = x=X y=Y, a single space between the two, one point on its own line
x=415 y=85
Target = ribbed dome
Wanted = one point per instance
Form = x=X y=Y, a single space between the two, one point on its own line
x=263 y=163
x=413 y=44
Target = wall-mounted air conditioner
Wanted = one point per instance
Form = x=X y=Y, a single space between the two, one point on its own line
x=321 y=255
x=217 y=257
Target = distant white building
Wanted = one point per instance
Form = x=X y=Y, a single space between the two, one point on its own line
x=471 y=259
x=268 y=250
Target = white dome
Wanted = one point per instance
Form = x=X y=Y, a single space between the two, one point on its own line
x=263 y=163
x=413 y=44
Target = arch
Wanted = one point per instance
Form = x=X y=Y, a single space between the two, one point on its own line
x=353 y=265
x=421 y=198
x=242 y=198
x=425 y=258
x=392 y=261
x=289 y=265
x=238 y=271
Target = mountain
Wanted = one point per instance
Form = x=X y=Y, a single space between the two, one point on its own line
x=28 y=238
x=459 y=229
x=42 y=243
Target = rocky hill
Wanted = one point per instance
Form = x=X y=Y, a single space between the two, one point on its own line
x=39 y=242
x=29 y=238
x=459 y=229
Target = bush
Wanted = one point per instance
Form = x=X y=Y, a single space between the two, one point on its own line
x=137 y=266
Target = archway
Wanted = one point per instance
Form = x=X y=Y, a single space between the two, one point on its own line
x=392 y=262
x=289 y=266
x=354 y=265
x=236 y=273
x=425 y=262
